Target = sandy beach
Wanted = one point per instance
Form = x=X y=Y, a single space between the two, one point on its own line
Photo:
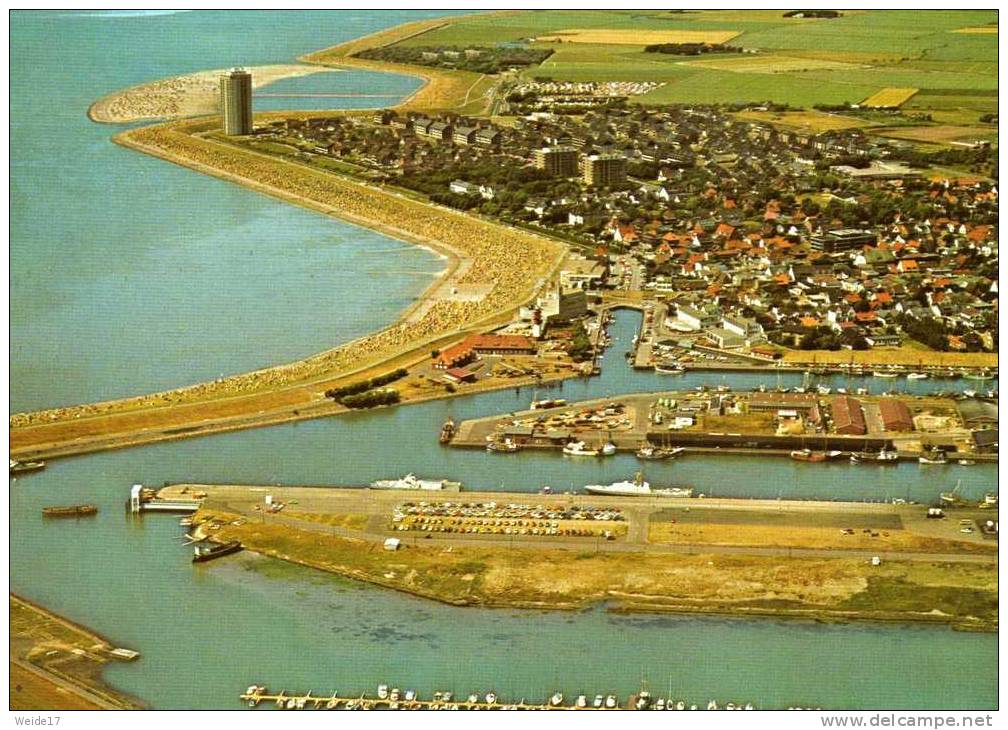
x=188 y=95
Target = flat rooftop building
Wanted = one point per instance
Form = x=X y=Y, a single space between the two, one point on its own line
x=842 y=239
x=603 y=170
x=236 y=102
x=557 y=161
x=776 y=401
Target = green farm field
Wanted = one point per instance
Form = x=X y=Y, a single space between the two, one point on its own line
x=797 y=61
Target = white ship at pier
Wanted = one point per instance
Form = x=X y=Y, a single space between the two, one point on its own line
x=637 y=488
x=410 y=481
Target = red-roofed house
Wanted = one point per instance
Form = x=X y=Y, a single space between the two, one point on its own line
x=474 y=345
x=725 y=231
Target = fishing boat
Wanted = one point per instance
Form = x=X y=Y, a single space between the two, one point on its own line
x=637 y=488
x=808 y=455
x=20 y=467
x=935 y=456
x=76 y=510
x=870 y=457
x=579 y=448
x=507 y=446
x=647 y=452
x=203 y=553
x=447 y=431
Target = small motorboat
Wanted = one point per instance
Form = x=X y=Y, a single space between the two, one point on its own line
x=579 y=448
x=808 y=455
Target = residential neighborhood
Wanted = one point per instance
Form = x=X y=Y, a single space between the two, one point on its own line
x=693 y=205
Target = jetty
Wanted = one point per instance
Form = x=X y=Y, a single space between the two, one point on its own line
x=144 y=499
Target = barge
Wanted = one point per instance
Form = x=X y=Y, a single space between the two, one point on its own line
x=76 y=510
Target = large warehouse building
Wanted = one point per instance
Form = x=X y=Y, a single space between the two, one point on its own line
x=848 y=417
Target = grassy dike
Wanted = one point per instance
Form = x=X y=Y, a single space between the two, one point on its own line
x=841 y=589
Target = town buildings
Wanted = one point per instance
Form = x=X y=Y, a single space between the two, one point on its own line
x=557 y=161
x=604 y=170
